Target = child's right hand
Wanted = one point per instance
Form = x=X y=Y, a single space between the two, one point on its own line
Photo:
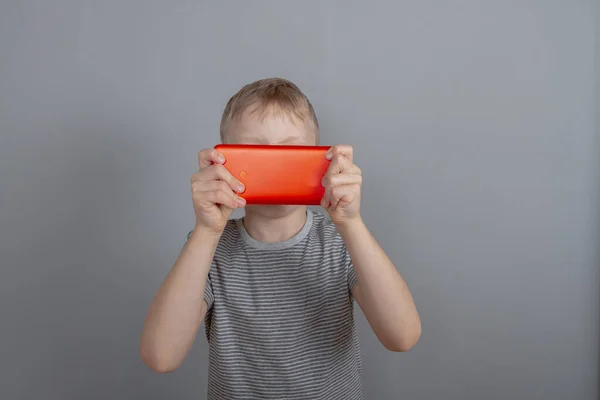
x=214 y=192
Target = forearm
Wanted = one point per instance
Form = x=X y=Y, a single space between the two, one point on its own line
x=178 y=308
x=381 y=291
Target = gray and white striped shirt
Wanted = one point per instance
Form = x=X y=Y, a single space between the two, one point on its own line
x=280 y=319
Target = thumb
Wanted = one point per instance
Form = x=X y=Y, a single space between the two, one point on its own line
x=227 y=211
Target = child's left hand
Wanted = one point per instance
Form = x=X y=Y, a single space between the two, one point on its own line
x=342 y=184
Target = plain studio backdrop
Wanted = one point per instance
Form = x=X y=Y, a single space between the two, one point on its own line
x=475 y=125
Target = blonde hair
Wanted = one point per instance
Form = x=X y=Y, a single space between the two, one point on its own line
x=268 y=96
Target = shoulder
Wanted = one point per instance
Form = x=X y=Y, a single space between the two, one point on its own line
x=326 y=231
x=330 y=243
x=230 y=235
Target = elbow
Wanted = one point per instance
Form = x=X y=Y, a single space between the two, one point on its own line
x=400 y=346
x=157 y=361
x=405 y=341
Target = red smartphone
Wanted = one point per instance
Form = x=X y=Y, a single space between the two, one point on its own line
x=278 y=174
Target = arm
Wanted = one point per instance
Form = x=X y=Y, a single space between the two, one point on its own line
x=381 y=293
x=178 y=308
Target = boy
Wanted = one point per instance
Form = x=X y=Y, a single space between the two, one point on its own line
x=276 y=287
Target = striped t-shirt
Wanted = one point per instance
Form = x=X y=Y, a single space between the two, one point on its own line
x=280 y=319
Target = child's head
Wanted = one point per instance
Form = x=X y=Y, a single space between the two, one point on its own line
x=270 y=111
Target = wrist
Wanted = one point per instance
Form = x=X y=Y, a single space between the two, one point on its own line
x=349 y=224
x=204 y=235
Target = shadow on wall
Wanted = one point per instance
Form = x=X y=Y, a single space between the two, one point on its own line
x=88 y=259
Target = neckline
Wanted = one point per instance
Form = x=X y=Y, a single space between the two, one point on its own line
x=297 y=238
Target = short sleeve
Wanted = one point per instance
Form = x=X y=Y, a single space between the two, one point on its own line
x=208 y=292
x=350 y=273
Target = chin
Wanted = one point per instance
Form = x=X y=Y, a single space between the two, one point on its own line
x=273 y=211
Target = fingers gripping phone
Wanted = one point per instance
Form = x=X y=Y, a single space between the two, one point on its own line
x=278 y=174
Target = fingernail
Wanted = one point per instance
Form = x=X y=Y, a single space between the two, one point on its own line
x=241 y=202
x=329 y=155
x=220 y=158
x=240 y=187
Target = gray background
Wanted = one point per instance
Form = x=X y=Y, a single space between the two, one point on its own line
x=473 y=122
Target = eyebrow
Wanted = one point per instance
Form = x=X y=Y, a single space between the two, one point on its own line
x=289 y=140
x=260 y=139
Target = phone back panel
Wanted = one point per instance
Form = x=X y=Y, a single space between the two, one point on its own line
x=278 y=174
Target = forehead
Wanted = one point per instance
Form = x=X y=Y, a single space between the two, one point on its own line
x=269 y=128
